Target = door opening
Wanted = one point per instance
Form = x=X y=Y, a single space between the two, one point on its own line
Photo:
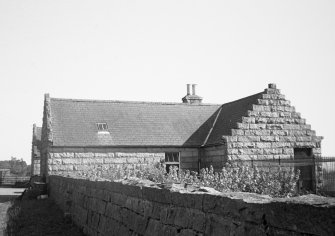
x=304 y=162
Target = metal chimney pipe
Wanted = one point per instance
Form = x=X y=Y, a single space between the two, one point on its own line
x=188 y=89
x=193 y=89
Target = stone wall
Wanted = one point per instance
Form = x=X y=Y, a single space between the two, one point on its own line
x=35 y=166
x=271 y=130
x=63 y=161
x=125 y=208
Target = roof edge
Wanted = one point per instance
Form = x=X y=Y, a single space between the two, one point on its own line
x=128 y=146
x=132 y=102
x=148 y=102
x=238 y=100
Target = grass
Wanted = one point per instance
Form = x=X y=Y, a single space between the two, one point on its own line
x=38 y=218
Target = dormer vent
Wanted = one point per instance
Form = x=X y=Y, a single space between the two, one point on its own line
x=102 y=127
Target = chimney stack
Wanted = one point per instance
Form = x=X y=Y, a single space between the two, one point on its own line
x=193 y=89
x=188 y=89
x=191 y=98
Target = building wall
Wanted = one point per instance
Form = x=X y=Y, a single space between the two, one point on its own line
x=36 y=166
x=214 y=156
x=122 y=208
x=35 y=160
x=46 y=136
x=62 y=161
x=35 y=153
x=271 y=130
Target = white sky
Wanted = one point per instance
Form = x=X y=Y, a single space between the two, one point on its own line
x=148 y=51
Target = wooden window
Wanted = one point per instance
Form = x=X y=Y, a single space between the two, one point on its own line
x=102 y=126
x=172 y=159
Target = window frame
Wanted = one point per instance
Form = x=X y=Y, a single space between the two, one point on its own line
x=172 y=159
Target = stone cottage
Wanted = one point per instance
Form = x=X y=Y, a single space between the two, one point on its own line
x=35 y=151
x=80 y=134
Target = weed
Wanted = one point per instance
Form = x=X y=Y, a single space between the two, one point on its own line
x=273 y=181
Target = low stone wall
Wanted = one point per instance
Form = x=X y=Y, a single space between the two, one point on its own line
x=133 y=208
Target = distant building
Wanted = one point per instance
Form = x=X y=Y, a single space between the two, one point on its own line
x=79 y=134
x=35 y=151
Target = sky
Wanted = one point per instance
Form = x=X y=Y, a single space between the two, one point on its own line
x=149 y=50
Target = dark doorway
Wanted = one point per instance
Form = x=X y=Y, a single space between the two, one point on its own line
x=304 y=162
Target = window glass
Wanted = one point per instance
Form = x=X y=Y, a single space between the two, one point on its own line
x=176 y=157
x=172 y=159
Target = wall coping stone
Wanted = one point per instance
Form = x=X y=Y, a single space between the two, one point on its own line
x=309 y=199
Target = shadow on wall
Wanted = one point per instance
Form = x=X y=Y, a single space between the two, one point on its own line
x=38 y=217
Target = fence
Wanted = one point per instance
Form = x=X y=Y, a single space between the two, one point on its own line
x=325 y=166
x=18 y=181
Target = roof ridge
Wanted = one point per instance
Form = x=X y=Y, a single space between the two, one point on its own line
x=238 y=100
x=229 y=116
x=132 y=102
x=148 y=102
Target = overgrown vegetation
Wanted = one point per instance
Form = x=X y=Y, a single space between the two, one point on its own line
x=273 y=181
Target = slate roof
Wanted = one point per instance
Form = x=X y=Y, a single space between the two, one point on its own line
x=230 y=114
x=129 y=123
x=143 y=123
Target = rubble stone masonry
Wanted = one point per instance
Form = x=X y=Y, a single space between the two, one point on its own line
x=71 y=162
x=143 y=208
x=63 y=161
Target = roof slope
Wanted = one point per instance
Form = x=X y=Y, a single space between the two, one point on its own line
x=231 y=113
x=129 y=123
